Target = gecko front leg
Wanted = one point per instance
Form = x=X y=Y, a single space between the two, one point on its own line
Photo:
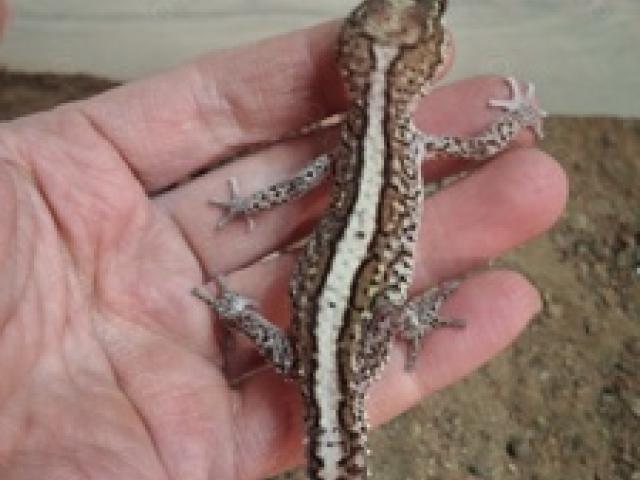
x=422 y=314
x=239 y=313
x=521 y=112
x=281 y=192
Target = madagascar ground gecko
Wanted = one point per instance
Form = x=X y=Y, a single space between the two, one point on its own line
x=350 y=288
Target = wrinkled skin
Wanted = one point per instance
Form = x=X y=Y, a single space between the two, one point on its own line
x=110 y=369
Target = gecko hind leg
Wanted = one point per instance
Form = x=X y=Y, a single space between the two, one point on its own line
x=239 y=313
x=285 y=191
x=422 y=315
x=410 y=322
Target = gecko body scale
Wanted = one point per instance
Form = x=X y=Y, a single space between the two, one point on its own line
x=349 y=291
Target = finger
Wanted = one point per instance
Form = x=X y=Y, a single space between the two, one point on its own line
x=233 y=247
x=462 y=109
x=502 y=205
x=172 y=125
x=497 y=305
x=510 y=200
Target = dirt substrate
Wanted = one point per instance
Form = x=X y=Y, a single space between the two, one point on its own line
x=564 y=401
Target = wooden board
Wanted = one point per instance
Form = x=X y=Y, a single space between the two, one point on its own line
x=583 y=54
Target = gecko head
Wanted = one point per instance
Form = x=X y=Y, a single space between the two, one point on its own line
x=399 y=22
x=410 y=34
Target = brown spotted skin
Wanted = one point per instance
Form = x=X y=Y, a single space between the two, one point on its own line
x=349 y=290
x=412 y=35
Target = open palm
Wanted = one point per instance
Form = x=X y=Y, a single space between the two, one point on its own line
x=109 y=368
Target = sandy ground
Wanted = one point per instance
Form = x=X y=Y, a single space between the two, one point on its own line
x=564 y=401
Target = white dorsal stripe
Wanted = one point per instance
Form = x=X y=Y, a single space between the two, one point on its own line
x=349 y=253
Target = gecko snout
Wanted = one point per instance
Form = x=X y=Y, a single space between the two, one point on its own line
x=400 y=22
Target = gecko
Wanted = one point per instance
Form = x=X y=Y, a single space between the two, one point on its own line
x=349 y=290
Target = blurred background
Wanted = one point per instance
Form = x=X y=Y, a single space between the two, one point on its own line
x=583 y=54
x=563 y=402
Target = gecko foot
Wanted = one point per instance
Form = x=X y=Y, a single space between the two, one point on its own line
x=233 y=208
x=422 y=315
x=229 y=305
x=240 y=314
x=523 y=106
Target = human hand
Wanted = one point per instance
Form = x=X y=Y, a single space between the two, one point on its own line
x=110 y=368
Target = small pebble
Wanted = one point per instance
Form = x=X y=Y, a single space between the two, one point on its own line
x=609 y=296
x=584 y=274
x=601 y=273
x=556 y=310
x=474 y=471
x=633 y=402
x=609 y=403
x=592 y=325
x=626 y=259
x=606 y=140
x=577 y=442
x=518 y=448
x=579 y=221
x=582 y=249
x=632 y=345
x=561 y=240
x=541 y=421
x=601 y=250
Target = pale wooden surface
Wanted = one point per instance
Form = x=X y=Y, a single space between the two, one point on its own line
x=583 y=54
